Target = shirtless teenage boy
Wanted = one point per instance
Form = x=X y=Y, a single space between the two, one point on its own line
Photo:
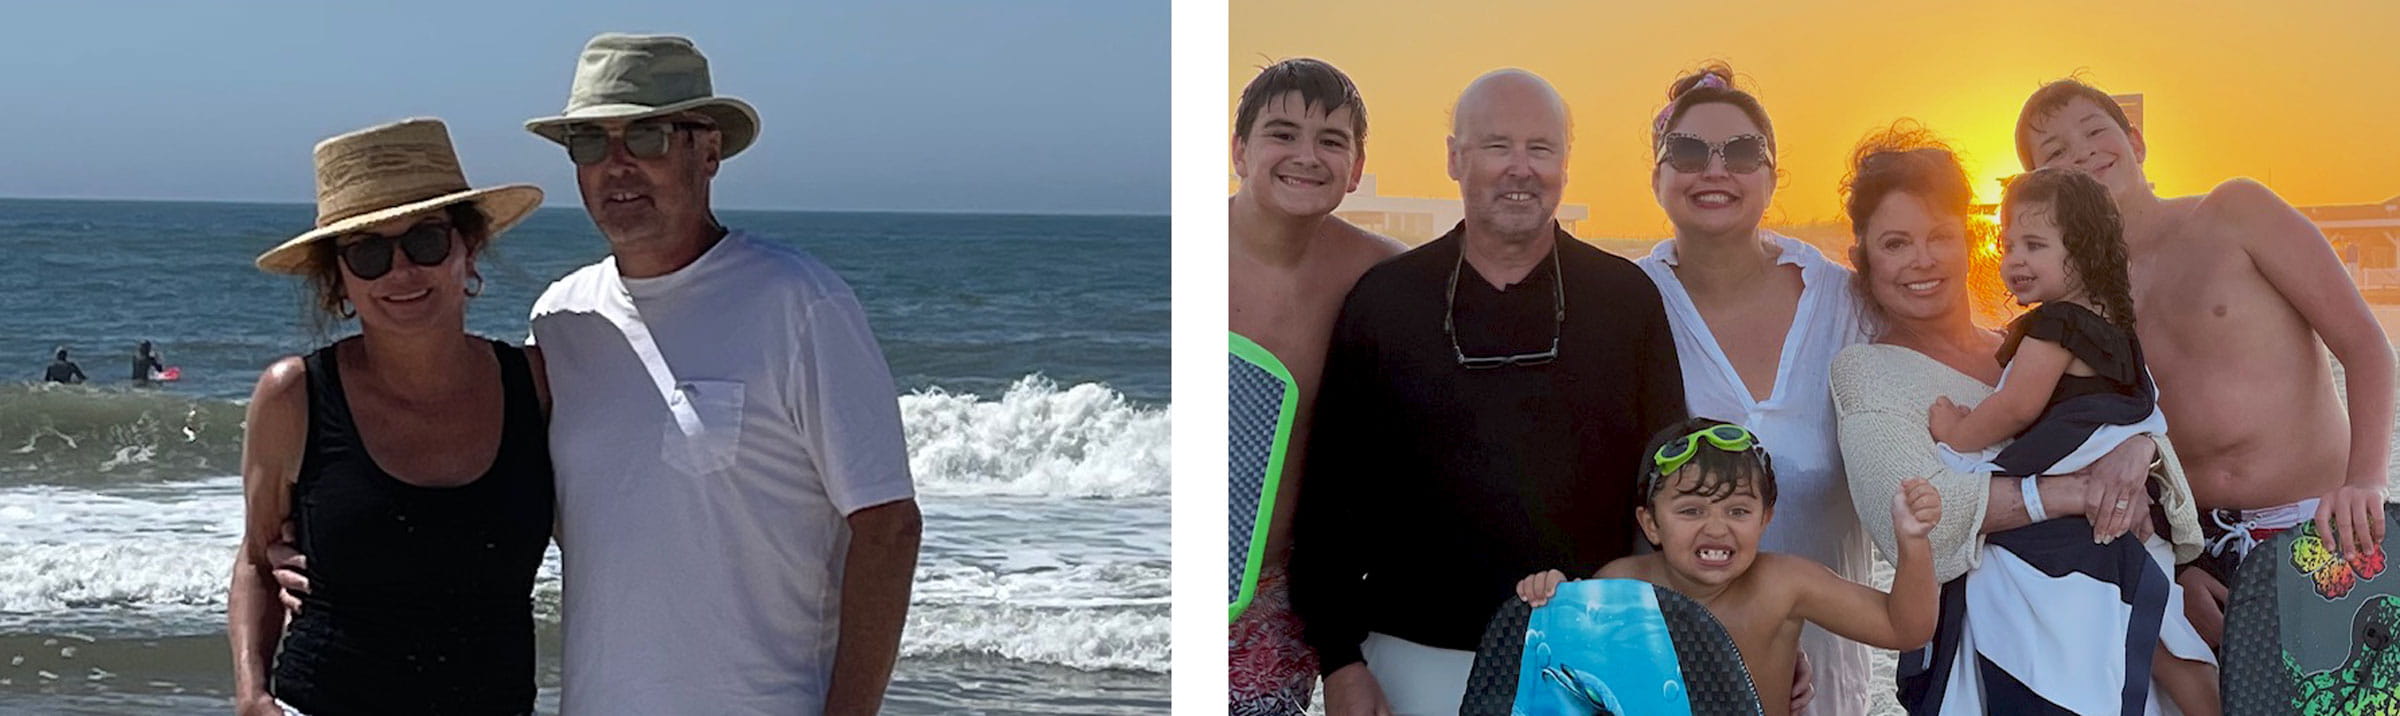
x=1298 y=146
x=2236 y=290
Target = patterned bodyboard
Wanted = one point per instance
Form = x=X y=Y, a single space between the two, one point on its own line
x=2307 y=633
x=1261 y=401
x=1608 y=646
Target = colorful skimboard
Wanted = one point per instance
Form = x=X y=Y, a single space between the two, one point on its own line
x=1262 y=400
x=1608 y=646
x=2312 y=634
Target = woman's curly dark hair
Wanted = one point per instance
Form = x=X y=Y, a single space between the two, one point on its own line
x=2090 y=228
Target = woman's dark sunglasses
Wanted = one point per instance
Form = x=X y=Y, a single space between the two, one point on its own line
x=1743 y=153
x=370 y=256
x=587 y=144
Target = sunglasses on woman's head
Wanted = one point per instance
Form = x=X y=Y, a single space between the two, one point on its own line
x=587 y=144
x=370 y=255
x=1743 y=153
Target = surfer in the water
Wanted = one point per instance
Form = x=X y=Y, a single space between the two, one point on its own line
x=146 y=364
x=1298 y=144
x=1708 y=492
x=62 y=370
x=410 y=459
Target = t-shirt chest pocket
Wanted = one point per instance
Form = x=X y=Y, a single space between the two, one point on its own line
x=706 y=433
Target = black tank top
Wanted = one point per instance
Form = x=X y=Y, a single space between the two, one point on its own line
x=420 y=597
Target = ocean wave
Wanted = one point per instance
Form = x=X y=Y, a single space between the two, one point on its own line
x=79 y=435
x=1086 y=639
x=160 y=577
x=1036 y=439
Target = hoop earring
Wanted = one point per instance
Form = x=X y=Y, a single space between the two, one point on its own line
x=346 y=310
x=477 y=289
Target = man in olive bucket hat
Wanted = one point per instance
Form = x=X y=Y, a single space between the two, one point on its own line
x=738 y=523
x=738 y=526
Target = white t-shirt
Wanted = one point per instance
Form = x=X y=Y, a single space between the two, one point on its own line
x=1813 y=515
x=702 y=556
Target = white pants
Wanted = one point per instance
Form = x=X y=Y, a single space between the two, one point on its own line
x=1417 y=679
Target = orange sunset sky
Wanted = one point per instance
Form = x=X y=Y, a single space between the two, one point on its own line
x=2307 y=99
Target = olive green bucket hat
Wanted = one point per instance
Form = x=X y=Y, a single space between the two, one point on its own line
x=639 y=76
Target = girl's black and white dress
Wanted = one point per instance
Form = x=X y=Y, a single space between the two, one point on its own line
x=2085 y=416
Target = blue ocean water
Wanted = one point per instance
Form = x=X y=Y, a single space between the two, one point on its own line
x=1030 y=356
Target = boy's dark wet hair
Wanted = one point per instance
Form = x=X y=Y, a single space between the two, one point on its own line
x=2049 y=100
x=1321 y=87
x=1721 y=474
x=2088 y=225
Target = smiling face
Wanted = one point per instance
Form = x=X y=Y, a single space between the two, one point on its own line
x=1713 y=201
x=2034 y=262
x=2082 y=135
x=639 y=202
x=1297 y=159
x=1710 y=540
x=409 y=297
x=1916 y=260
x=1508 y=151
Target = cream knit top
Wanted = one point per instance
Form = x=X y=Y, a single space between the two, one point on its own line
x=1880 y=395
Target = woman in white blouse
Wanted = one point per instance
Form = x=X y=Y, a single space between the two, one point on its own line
x=1757 y=319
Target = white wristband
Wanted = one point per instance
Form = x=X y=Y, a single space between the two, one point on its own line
x=2031 y=487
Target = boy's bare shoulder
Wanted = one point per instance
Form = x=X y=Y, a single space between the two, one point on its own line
x=1364 y=248
x=1779 y=568
x=1639 y=566
x=2242 y=201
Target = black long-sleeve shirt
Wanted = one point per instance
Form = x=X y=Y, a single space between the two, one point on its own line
x=1432 y=488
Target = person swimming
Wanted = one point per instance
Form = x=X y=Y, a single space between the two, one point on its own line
x=146 y=364
x=62 y=370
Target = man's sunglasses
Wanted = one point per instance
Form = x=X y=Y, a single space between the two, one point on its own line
x=370 y=256
x=1743 y=153
x=587 y=144
x=1558 y=328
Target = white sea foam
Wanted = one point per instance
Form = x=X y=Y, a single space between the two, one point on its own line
x=1036 y=439
x=1078 y=638
x=157 y=560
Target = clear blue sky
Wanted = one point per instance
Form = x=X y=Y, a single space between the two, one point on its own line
x=1020 y=106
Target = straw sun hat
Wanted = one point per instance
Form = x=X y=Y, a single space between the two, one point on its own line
x=388 y=172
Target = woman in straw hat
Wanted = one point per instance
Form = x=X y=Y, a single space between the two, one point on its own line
x=410 y=459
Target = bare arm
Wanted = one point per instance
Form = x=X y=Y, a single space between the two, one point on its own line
x=1860 y=613
x=2062 y=495
x=876 y=576
x=1903 y=619
x=2032 y=375
x=271 y=449
x=2296 y=259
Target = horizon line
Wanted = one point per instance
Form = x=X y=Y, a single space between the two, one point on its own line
x=963 y=212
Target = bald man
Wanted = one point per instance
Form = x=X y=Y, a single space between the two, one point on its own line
x=1445 y=463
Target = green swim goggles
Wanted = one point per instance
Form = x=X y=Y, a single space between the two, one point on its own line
x=1674 y=454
